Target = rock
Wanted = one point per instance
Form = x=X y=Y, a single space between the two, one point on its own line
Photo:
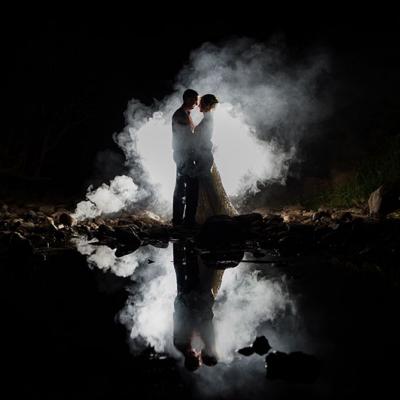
x=273 y=219
x=47 y=210
x=99 y=221
x=127 y=234
x=66 y=219
x=60 y=235
x=27 y=225
x=149 y=218
x=246 y=351
x=105 y=231
x=161 y=244
x=246 y=220
x=46 y=225
x=342 y=216
x=261 y=345
x=16 y=223
x=159 y=232
x=317 y=216
x=295 y=367
x=38 y=240
x=82 y=229
x=19 y=245
x=384 y=200
x=30 y=215
x=92 y=225
x=128 y=240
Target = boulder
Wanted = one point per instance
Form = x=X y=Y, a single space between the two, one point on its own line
x=384 y=200
x=66 y=219
x=261 y=345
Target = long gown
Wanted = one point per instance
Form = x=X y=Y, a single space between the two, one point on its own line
x=213 y=199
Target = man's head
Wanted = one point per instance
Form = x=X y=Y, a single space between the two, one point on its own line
x=190 y=99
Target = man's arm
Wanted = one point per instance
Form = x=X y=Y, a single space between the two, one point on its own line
x=182 y=135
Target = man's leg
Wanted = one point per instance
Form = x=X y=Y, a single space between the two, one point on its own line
x=178 y=205
x=192 y=199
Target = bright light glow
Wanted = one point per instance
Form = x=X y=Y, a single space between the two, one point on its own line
x=241 y=158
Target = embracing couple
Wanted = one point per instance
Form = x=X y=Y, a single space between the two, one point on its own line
x=199 y=192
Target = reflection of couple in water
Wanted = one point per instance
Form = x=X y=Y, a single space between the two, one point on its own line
x=198 y=194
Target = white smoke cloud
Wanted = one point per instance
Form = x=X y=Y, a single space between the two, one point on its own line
x=109 y=199
x=266 y=106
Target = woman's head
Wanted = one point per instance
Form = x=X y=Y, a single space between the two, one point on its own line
x=208 y=102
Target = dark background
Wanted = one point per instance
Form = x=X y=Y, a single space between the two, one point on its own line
x=69 y=75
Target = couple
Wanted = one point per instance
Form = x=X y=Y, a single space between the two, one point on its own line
x=199 y=192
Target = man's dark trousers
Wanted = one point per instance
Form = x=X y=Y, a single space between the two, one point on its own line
x=185 y=200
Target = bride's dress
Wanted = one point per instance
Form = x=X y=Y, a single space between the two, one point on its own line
x=213 y=199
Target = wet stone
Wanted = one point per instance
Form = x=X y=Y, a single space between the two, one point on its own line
x=319 y=215
x=261 y=345
x=105 y=231
x=246 y=351
x=15 y=223
x=38 y=240
x=249 y=219
x=127 y=235
x=128 y=240
x=343 y=216
x=65 y=219
x=30 y=215
x=46 y=225
x=27 y=225
x=20 y=245
x=82 y=229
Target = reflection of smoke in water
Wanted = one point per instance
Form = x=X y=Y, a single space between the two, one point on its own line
x=245 y=300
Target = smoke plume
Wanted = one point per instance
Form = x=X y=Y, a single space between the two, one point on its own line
x=267 y=104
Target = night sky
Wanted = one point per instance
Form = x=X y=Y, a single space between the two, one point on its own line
x=77 y=71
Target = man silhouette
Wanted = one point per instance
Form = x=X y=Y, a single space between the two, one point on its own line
x=187 y=184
